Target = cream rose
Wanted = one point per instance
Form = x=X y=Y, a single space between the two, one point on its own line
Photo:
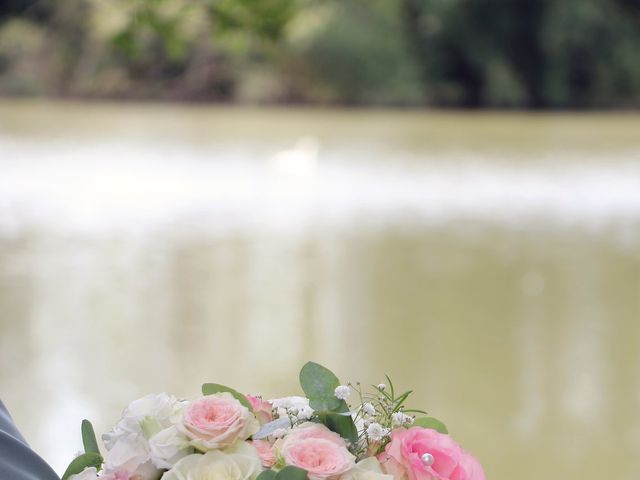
x=217 y=421
x=367 y=469
x=240 y=462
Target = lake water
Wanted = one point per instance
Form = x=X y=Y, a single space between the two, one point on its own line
x=491 y=262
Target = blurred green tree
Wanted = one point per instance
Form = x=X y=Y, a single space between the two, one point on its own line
x=463 y=53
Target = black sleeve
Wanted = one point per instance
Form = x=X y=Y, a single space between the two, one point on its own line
x=17 y=460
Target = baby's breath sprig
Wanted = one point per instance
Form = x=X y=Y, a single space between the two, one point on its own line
x=378 y=413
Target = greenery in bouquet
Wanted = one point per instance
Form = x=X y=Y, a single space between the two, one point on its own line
x=226 y=435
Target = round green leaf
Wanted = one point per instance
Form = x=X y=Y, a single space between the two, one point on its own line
x=432 y=423
x=266 y=475
x=319 y=384
x=291 y=473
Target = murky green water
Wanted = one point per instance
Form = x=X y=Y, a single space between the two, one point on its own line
x=491 y=262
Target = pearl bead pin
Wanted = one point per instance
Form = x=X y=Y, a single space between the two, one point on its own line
x=427 y=459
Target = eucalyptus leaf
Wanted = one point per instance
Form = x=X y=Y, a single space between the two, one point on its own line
x=85 y=460
x=291 y=473
x=213 y=388
x=319 y=384
x=340 y=423
x=328 y=403
x=266 y=475
x=432 y=423
x=268 y=428
x=89 y=438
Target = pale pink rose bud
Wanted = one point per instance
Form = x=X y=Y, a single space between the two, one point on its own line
x=261 y=409
x=265 y=452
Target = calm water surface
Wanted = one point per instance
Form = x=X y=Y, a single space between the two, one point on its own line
x=491 y=262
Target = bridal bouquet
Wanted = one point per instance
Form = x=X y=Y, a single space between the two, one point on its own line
x=225 y=435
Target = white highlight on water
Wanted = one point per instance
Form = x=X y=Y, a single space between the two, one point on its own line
x=105 y=188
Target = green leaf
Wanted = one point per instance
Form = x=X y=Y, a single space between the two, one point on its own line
x=400 y=400
x=291 y=473
x=212 y=388
x=80 y=463
x=89 y=438
x=432 y=423
x=390 y=385
x=266 y=475
x=414 y=410
x=341 y=424
x=319 y=384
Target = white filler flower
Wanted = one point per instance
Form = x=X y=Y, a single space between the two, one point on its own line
x=368 y=409
x=342 y=392
x=398 y=419
x=283 y=406
x=376 y=432
x=305 y=413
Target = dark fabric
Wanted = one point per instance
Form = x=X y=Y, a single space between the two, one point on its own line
x=17 y=460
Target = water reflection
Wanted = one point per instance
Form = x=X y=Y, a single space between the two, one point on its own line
x=506 y=293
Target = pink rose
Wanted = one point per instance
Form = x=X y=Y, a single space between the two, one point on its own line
x=265 y=452
x=470 y=468
x=404 y=457
x=318 y=450
x=261 y=408
x=217 y=421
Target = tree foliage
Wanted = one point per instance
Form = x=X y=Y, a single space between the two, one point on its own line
x=471 y=53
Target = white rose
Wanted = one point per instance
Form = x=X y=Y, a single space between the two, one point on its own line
x=128 y=453
x=131 y=453
x=367 y=469
x=168 y=446
x=240 y=462
x=146 y=471
x=127 y=443
x=89 y=473
x=163 y=409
